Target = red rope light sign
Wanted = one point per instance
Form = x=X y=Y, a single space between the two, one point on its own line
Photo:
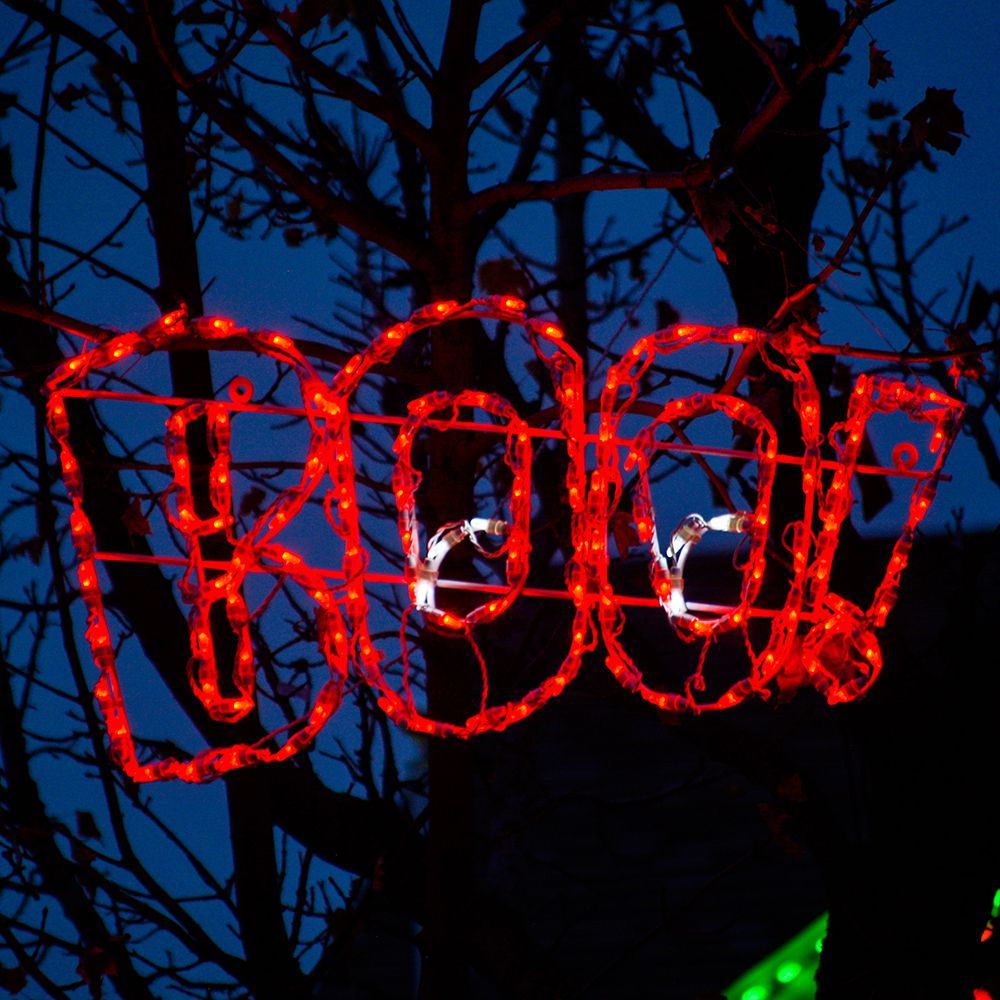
x=565 y=370
x=838 y=654
x=816 y=638
x=254 y=551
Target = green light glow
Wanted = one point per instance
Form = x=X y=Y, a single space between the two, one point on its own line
x=790 y=970
x=787 y=972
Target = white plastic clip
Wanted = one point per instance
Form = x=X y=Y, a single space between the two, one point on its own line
x=441 y=543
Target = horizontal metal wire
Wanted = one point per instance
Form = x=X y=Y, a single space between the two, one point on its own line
x=399 y=579
x=469 y=425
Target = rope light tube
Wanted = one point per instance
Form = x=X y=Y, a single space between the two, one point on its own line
x=566 y=373
x=254 y=551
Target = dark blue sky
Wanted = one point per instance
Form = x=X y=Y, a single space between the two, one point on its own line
x=265 y=284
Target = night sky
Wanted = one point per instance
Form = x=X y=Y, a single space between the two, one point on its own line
x=263 y=283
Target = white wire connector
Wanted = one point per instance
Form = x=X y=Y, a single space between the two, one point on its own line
x=441 y=543
x=685 y=536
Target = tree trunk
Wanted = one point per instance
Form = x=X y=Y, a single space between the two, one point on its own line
x=273 y=971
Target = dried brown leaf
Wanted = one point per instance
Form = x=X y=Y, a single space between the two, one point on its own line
x=252 y=501
x=624 y=532
x=136 y=523
x=86 y=825
x=666 y=314
x=879 y=66
x=938 y=121
x=715 y=213
x=502 y=276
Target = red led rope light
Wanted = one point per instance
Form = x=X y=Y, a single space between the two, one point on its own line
x=838 y=652
x=606 y=495
x=666 y=573
x=252 y=552
x=841 y=655
x=195 y=590
x=421 y=574
x=566 y=371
